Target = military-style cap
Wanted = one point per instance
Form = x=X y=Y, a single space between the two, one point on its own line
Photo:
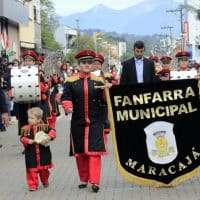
x=154 y=58
x=41 y=58
x=165 y=58
x=30 y=54
x=183 y=54
x=85 y=54
x=100 y=58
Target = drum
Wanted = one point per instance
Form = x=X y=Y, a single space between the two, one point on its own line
x=178 y=75
x=25 y=84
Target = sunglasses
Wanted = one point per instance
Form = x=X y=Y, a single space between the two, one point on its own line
x=183 y=59
x=83 y=62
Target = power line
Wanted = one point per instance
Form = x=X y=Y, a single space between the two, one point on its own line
x=180 y=11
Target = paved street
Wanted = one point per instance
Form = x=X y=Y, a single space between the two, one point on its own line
x=64 y=179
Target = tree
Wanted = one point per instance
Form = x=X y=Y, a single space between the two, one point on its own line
x=49 y=23
x=84 y=42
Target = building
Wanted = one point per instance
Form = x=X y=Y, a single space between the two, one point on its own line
x=30 y=35
x=12 y=14
x=65 y=36
x=192 y=28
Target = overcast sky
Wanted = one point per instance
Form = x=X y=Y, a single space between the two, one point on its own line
x=67 y=7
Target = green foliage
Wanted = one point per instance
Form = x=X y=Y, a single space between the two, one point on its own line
x=126 y=56
x=84 y=42
x=49 y=23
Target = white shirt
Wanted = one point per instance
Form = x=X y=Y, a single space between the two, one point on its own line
x=139 y=65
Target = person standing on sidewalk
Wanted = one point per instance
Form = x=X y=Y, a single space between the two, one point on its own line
x=87 y=125
x=3 y=110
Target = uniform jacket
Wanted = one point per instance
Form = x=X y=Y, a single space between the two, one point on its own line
x=87 y=122
x=37 y=156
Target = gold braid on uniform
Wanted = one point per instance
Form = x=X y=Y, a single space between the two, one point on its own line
x=25 y=131
x=97 y=78
x=43 y=127
x=72 y=78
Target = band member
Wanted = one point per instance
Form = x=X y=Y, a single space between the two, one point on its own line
x=158 y=67
x=55 y=85
x=115 y=75
x=37 y=155
x=183 y=60
x=155 y=59
x=40 y=61
x=29 y=59
x=164 y=74
x=87 y=125
x=98 y=62
x=185 y=70
x=44 y=104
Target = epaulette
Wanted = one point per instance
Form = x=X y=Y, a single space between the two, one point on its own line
x=96 y=78
x=43 y=127
x=25 y=130
x=108 y=75
x=72 y=78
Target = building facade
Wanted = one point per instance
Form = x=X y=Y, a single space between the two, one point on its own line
x=192 y=28
x=12 y=14
x=66 y=36
x=30 y=35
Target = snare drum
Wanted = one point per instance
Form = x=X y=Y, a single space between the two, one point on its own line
x=178 y=75
x=25 y=84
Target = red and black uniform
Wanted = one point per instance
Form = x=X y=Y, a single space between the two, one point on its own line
x=54 y=92
x=45 y=104
x=37 y=157
x=87 y=123
x=22 y=108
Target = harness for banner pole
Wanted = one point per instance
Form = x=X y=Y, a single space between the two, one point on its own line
x=107 y=96
x=199 y=87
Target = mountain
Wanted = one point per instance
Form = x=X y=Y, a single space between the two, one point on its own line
x=142 y=19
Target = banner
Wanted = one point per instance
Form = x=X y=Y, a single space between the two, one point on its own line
x=156 y=131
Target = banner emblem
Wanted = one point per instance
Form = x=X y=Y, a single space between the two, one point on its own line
x=161 y=142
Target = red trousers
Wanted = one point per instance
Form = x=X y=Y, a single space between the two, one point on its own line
x=89 y=168
x=32 y=178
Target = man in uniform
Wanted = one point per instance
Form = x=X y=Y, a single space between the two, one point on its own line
x=183 y=60
x=29 y=59
x=164 y=74
x=81 y=97
x=158 y=67
x=98 y=63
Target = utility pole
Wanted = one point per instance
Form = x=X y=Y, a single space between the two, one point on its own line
x=170 y=31
x=180 y=11
x=170 y=34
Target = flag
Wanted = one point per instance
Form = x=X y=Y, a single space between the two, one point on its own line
x=155 y=131
x=4 y=37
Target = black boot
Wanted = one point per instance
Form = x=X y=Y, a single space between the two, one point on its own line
x=95 y=188
x=3 y=128
x=1 y=145
x=82 y=186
